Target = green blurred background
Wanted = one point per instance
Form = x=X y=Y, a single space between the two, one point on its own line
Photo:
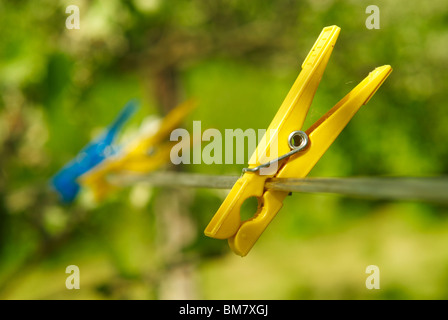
x=60 y=87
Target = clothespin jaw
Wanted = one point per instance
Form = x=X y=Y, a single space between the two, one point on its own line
x=145 y=154
x=65 y=182
x=227 y=224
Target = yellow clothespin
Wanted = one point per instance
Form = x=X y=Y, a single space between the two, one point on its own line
x=299 y=150
x=145 y=154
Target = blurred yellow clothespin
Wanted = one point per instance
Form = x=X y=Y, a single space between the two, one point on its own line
x=145 y=154
x=299 y=150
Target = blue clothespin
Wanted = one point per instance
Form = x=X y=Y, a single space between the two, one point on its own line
x=64 y=182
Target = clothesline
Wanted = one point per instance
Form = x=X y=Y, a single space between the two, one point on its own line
x=427 y=189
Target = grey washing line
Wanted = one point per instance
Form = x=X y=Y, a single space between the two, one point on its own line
x=427 y=189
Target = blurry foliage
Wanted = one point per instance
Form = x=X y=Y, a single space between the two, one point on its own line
x=59 y=87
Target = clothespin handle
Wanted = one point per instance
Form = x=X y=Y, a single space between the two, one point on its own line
x=294 y=109
x=64 y=182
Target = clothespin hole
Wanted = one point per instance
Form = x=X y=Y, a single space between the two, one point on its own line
x=248 y=208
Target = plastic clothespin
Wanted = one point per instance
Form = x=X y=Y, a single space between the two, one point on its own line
x=65 y=182
x=145 y=154
x=299 y=150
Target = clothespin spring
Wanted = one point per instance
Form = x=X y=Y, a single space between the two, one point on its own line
x=295 y=144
